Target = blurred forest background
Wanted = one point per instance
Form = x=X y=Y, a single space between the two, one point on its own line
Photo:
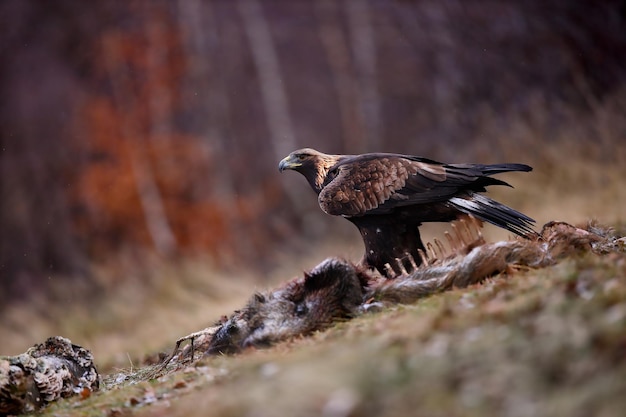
x=141 y=130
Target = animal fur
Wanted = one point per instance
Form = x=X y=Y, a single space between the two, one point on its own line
x=338 y=290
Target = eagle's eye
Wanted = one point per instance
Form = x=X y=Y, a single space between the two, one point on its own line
x=301 y=157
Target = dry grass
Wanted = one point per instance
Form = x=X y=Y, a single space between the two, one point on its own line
x=546 y=342
x=147 y=310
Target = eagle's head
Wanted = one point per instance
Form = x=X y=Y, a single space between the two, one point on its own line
x=314 y=165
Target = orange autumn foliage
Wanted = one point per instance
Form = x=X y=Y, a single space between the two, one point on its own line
x=132 y=141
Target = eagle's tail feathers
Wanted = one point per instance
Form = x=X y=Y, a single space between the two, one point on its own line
x=500 y=168
x=495 y=213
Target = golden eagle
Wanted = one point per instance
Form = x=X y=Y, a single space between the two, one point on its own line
x=388 y=196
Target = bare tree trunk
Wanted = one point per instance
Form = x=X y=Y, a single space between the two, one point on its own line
x=273 y=89
x=160 y=97
x=149 y=195
x=364 y=51
x=204 y=48
x=338 y=56
x=152 y=203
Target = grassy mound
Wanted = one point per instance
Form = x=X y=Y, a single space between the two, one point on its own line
x=539 y=342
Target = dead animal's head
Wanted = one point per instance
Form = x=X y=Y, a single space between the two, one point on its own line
x=330 y=292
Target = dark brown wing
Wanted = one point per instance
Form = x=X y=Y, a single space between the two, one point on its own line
x=370 y=184
x=377 y=183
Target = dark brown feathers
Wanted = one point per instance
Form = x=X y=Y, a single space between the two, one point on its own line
x=388 y=196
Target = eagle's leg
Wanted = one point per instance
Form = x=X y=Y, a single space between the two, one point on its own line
x=389 y=240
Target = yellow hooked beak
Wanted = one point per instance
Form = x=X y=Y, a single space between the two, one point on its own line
x=289 y=162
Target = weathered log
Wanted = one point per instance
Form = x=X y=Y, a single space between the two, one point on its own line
x=43 y=374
